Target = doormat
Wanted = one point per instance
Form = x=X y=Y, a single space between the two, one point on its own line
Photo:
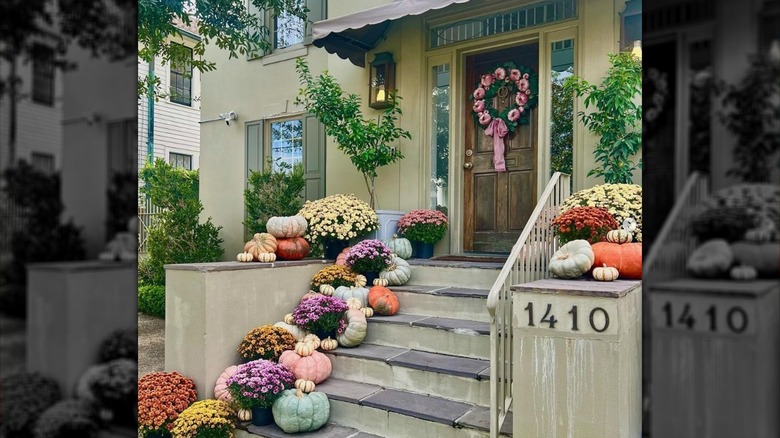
x=466 y=258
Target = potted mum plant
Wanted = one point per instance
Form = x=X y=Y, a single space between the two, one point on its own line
x=321 y=315
x=205 y=419
x=256 y=385
x=584 y=223
x=369 y=257
x=335 y=219
x=334 y=275
x=161 y=398
x=423 y=228
x=266 y=342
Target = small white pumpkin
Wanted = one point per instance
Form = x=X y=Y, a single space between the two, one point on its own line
x=369 y=312
x=572 y=259
x=360 y=280
x=743 y=273
x=346 y=292
x=605 y=273
x=354 y=303
x=244 y=257
x=312 y=339
x=328 y=344
x=304 y=349
x=306 y=386
x=289 y=319
x=620 y=236
x=266 y=257
x=327 y=290
x=381 y=282
x=398 y=273
x=244 y=415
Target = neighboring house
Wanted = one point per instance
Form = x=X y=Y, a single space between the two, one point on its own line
x=175 y=132
x=440 y=48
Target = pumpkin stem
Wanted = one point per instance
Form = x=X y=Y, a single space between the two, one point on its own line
x=395 y=236
x=299 y=393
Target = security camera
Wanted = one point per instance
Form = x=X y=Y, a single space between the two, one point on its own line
x=228 y=117
x=227 y=122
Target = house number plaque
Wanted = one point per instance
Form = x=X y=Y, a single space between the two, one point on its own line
x=571 y=316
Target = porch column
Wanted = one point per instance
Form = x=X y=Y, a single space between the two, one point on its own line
x=577 y=359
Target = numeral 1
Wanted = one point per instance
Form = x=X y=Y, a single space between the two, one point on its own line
x=530 y=309
x=668 y=310
x=573 y=313
x=713 y=319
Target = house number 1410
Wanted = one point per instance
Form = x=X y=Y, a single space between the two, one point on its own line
x=599 y=326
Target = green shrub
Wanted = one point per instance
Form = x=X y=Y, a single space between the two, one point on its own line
x=151 y=300
x=275 y=191
x=178 y=236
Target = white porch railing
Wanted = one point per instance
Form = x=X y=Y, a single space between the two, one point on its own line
x=675 y=242
x=527 y=262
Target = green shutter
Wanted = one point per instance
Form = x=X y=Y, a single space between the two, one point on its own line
x=313 y=158
x=254 y=148
x=317 y=12
x=252 y=9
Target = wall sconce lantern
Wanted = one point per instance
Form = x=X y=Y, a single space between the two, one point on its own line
x=381 y=80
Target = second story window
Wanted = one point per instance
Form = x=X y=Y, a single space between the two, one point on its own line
x=43 y=74
x=180 y=161
x=181 y=80
x=288 y=31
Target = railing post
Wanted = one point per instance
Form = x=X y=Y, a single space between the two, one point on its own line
x=577 y=351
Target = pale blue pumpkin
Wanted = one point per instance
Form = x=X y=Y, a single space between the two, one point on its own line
x=347 y=292
x=401 y=246
x=295 y=411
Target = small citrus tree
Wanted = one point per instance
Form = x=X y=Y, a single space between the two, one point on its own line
x=366 y=142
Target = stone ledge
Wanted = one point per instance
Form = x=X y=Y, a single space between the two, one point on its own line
x=580 y=286
x=236 y=266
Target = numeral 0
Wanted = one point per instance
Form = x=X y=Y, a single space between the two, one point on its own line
x=606 y=319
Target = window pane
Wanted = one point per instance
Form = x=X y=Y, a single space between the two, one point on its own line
x=289 y=31
x=181 y=83
x=440 y=141
x=180 y=161
x=43 y=162
x=562 y=107
x=287 y=142
x=43 y=74
x=700 y=109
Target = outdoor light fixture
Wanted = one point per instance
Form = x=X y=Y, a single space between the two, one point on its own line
x=637 y=50
x=382 y=80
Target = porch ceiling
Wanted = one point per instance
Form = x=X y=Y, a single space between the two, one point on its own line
x=351 y=36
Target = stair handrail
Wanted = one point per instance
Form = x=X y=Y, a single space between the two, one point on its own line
x=674 y=244
x=527 y=262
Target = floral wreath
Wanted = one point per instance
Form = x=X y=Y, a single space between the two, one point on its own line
x=655 y=84
x=520 y=82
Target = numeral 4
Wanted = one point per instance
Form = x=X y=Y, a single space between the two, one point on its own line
x=686 y=318
x=549 y=320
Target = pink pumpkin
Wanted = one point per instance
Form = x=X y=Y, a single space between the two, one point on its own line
x=341 y=260
x=220 y=389
x=316 y=367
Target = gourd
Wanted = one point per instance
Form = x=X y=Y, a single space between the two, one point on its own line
x=360 y=280
x=312 y=339
x=383 y=301
x=401 y=246
x=398 y=273
x=354 y=303
x=327 y=289
x=381 y=282
x=297 y=332
x=244 y=415
x=220 y=388
x=295 y=411
x=711 y=259
x=316 y=367
x=743 y=273
x=765 y=257
x=367 y=311
x=287 y=226
x=304 y=349
x=244 y=257
x=266 y=257
x=289 y=319
x=759 y=235
x=341 y=259
x=605 y=273
x=620 y=236
x=626 y=258
x=347 y=292
x=260 y=243
x=329 y=343
x=572 y=259
x=294 y=248
x=306 y=386
x=356 y=329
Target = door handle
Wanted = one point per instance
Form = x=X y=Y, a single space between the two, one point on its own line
x=468 y=165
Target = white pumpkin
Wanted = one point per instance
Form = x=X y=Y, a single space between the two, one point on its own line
x=327 y=290
x=360 y=280
x=286 y=227
x=400 y=246
x=297 y=332
x=572 y=259
x=398 y=273
x=347 y=292
x=244 y=257
x=244 y=415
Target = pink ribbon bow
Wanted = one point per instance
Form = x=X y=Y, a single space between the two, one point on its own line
x=498 y=131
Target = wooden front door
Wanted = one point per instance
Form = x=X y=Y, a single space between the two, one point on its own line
x=498 y=204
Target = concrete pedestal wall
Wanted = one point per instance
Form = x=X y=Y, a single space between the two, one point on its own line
x=209 y=307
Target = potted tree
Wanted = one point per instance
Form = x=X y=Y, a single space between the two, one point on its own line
x=367 y=143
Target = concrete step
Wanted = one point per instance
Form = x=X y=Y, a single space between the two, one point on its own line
x=457 y=337
x=330 y=430
x=451 y=377
x=446 y=301
x=473 y=275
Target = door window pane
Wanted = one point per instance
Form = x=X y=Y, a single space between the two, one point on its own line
x=440 y=141
x=287 y=142
x=562 y=107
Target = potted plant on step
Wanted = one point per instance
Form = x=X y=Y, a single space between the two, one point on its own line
x=369 y=144
x=369 y=257
x=256 y=385
x=423 y=228
x=335 y=219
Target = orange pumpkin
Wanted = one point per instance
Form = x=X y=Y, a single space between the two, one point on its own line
x=626 y=258
x=341 y=259
x=383 y=301
x=294 y=248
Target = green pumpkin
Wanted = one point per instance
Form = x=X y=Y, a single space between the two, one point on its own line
x=402 y=247
x=347 y=292
x=296 y=412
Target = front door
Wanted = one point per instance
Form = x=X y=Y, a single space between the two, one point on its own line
x=498 y=204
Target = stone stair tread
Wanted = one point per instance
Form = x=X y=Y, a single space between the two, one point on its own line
x=421 y=360
x=418 y=406
x=327 y=431
x=440 y=363
x=463 y=326
x=479 y=418
x=347 y=390
x=447 y=291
